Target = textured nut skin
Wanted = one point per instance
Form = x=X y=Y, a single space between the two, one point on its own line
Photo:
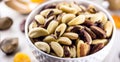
x=67 y=17
x=66 y=51
x=43 y=46
x=73 y=51
x=98 y=41
x=64 y=40
x=108 y=27
x=9 y=45
x=70 y=35
x=49 y=38
x=37 y=32
x=57 y=48
x=92 y=34
x=40 y=19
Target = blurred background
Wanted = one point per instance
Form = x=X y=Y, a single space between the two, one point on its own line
x=16 y=11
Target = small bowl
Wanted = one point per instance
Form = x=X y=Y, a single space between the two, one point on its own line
x=44 y=57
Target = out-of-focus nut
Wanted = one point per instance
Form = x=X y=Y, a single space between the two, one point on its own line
x=32 y=25
x=52 y=26
x=98 y=31
x=60 y=29
x=64 y=40
x=40 y=19
x=5 y=23
x=108 y=27
x=37 y=32
x=57 y=48
x=92 y=9
x=49 y=38
x=67 y=17
x=47 y=22
x=98 y=41
x=73 y=5
x=73 y=51
x=78 y=20
x=45 y=12
x=9 y=45
x=66 y=51
x=71 y=35
x=43 y=46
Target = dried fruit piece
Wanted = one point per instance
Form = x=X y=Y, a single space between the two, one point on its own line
x=71 y=35
x=98 y=41
x=67 y=17
x=108 y=27
x=116 y=20
x=52 y=26
x=50 y=38
x=5 y=23
x=40 y=19
x=37 y=32
x=21 y=57
x=43 y=46
x=78 y=20
x=64 y=40
x=9 y=45
x=38 y=1
x=57 y=48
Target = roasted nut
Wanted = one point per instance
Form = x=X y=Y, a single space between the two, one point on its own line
x=32 y=25
x=92 y=9
x=40 y=19
x=108 y=28
x=78 y=20
x=71 y=35
x=5 y=23
x=43 y=46
x=66 y=51
x=9 y=45
x=67 y=17
x=37 y=32
x=73 y=51
x=98 y=41
x=98 y=31
x=50 y=38
x=64 y=40
x=60 y=29
x=57 y=48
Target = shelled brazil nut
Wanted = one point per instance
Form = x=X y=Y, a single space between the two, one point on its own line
x=70 y=30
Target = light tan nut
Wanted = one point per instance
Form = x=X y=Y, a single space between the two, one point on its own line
x=60 y=29
x=98 y=41
x=37 y=32
x=56 y=11
x=67 y=17
x=73 y=51
x=57 y=48
x=45 y=12
x=104 y=18
x=64 y=40
x=98 y=31
x=78 y=20
x=62 y=3
x=32 y=25
x=47 y=22
x=69 y=28
x=73 y=5
x=92 y=9
x=68 y=9
x=66 y=51
x=43 y=46
x=71 y=35
x=52 y=26
x=40 y=19
x=108 y=27
x=49 y=38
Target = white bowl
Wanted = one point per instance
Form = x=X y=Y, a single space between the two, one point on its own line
x=44 y=57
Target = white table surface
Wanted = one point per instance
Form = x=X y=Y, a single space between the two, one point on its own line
x=14 y=31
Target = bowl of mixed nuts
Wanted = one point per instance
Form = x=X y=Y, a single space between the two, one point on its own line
x=65 y=31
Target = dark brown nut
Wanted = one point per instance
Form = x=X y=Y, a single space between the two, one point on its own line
x=66 y=51
x=98 y=41
x=40 y=19
x=85 y=36
x=88 y=23
x=76 y=28
x=71 y=35
x=5 y=23
x=98 y=31
x=108 y=27
x=43 y=46
x=9 y=45
x=96 y=48
x=91 y=9
x=50 y=38
x=64 y=40
x=73 y=51
x=60 y=29
x=67 y=17
x=57 y=48
x=22 y=26
x=92 y=34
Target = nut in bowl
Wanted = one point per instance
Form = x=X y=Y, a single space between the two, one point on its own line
x=62 y=31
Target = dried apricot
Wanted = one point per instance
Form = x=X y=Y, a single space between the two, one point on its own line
x=21 y=57
x=117 y=20
x=38 y=1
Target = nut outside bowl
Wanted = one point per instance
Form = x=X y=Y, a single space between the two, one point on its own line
x=44 y=57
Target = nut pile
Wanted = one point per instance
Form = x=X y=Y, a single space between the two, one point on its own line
x=70 y=30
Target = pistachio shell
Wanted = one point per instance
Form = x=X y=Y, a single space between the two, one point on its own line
x=67 y=17
x=98 y=41
x=64 y=40
x=71 y=35
x=78 y=20
x=37 y=32
x=52 y=26
x=40 y=19
x=43 y=46
x=57 y=48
